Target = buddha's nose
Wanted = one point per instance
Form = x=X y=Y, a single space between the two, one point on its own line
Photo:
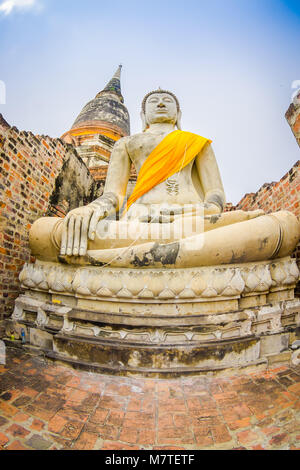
x=161 y=105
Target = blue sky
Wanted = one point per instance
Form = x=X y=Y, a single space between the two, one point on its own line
x=231 y=63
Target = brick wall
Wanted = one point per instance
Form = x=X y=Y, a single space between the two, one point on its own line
x=39 y=176
x=272 y=197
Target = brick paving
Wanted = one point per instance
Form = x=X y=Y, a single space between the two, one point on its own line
x=51 y=407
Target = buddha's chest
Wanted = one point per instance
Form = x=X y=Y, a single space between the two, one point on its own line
x=140 y=147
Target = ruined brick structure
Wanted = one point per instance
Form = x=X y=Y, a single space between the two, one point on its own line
x=39 y=176
x=272 y=197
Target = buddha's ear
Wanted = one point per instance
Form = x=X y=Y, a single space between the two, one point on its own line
x=144 y=124
x=178 y=123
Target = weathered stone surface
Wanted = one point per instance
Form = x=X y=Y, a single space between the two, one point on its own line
x=38 y=442
x=74 y=185
x=41 y=338
x=3 y=122
x=296 y=344
x=274 y=344
x=180 y=285
x=161 y=343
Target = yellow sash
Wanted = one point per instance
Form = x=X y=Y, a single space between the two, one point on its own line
x=173 y=153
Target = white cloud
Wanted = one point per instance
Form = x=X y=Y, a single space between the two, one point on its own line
x=8 y=6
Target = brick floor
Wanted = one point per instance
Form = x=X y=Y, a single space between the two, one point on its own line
x=49 y=406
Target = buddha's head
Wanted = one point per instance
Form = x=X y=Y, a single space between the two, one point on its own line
x=160 y=106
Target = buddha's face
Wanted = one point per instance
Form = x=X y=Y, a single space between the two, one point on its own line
x=160 y=107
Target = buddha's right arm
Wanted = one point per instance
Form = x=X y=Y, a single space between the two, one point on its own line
x=80 y=224
x=117 y=175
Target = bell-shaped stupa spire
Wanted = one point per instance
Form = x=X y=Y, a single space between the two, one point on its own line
x=107 y=107
x=101 y=122
x=114 y=85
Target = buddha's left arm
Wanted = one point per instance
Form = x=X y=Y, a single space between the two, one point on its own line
x=210 y=178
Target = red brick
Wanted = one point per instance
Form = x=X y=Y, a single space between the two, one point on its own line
x=72 y=429
x=171 y=404
x=16 y=445
x=146 y=437
x=295 y=388
x=86 y=441
x=279 y=439
x=115 y=418
x=203 y=436
x=44 y=415
x=17 y=431
x=181 y=420
x=56 y=424
x=110 y=402
x=270 y=430
x=165 y=420
x=135 y=404
x=148 y=404
x=248 y=436
x=239 y=423
x=108 y=432
x=99 y=417
x=3 y=439
x=78 y=396
x=21 y=417
x=136 y=419
x=30 y=392
x=116 y=389
x=257 y=447
x=220 y=434
x=7 y=409
x=37 y=425
x=129 y=435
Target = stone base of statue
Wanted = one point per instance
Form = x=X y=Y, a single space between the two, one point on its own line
x=161 y=322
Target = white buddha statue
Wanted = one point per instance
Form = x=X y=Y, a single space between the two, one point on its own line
x=174 y=217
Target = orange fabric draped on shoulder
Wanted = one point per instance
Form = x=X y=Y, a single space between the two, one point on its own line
x=173 y=153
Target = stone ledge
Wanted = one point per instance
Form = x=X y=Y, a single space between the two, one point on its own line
x=260 y=364
x=162 y=285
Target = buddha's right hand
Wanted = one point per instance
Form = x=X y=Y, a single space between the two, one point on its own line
x=80 y=224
